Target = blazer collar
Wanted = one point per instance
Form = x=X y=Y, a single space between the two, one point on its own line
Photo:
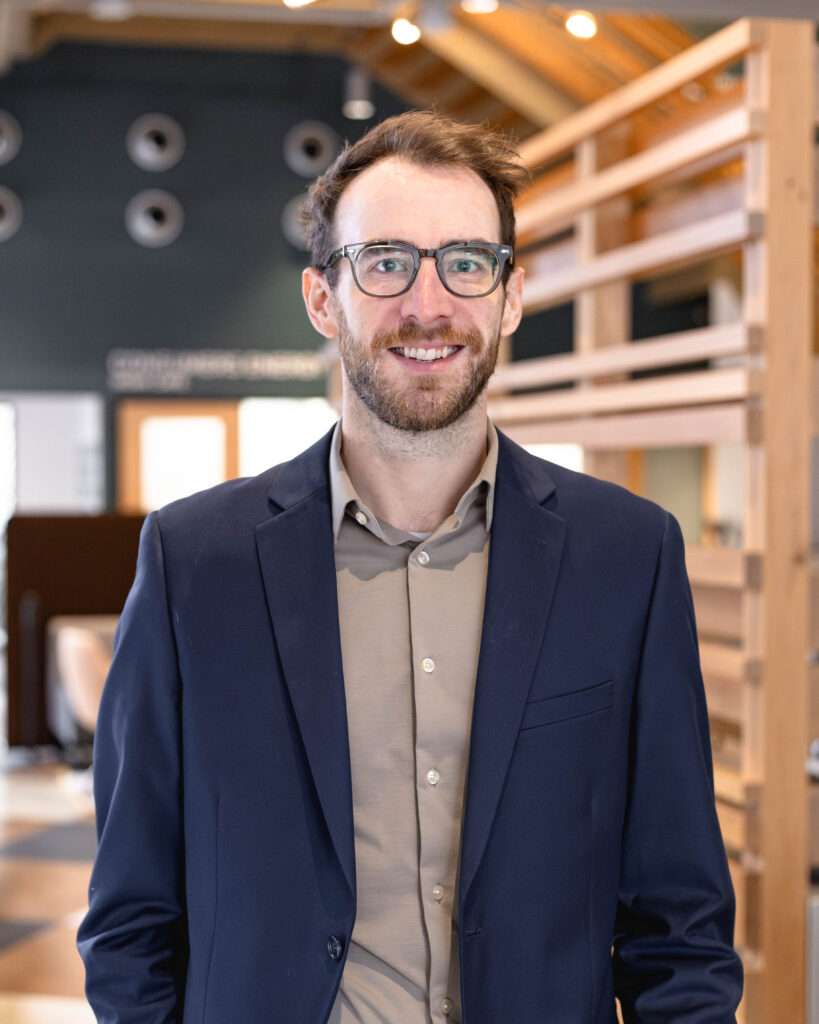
x=295 y=480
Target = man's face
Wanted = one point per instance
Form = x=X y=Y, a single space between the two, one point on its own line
x=398 y=200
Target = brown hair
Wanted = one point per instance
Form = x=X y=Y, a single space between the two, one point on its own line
x=427 y=138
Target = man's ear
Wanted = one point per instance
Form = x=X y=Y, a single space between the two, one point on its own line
x=513 y=304
x=319 y=301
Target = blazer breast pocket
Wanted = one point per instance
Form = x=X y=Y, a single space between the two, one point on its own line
x=568 y=705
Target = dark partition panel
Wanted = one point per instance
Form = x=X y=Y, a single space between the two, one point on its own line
x=58 y=565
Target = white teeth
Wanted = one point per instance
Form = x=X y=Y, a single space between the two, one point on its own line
x=427 y=354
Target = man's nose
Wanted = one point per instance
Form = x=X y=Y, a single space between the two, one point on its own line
x=427 y=299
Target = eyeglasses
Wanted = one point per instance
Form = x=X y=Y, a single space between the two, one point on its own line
x=386 y=269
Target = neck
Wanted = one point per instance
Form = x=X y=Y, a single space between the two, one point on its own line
x=411 y=480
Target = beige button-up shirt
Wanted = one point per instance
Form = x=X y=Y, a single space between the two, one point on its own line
x=411 y=616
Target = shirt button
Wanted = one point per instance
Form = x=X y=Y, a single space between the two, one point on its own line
x=446 y=1005
x=360 y=517
x=433 y=777
x=422 y=558
x=437 y=893
x=335 y=947
x=428 y=665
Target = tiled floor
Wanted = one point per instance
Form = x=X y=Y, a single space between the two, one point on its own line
x=47 y=842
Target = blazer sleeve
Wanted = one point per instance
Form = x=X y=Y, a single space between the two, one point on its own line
x=133 y=938
x=673 y=955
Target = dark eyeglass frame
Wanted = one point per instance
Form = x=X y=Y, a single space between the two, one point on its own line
x=504 y=254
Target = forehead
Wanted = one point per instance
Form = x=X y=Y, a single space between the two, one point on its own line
x=395 y=198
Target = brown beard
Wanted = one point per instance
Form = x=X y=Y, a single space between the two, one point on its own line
x=439 y=405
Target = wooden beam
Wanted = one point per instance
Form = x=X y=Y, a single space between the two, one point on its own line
x=533 y=39
x=816 y=93
x=721 y=48
x=538 y=216
x=728 y=423
x=717 y=189
x=426 y=81
x=500 y=74
x=374 y=47
x=675 y=248
x=447 y=90
x=728 y=662
x=719 y=613
x=723 y=697
x=648 y=133
x=779 y=279
x=668 y=213
x=654 y=35
x=602 y=315
x=666 y=390
x=622 y=60
x=143 y=30
x=739 y=884
x=733 y=825
x=723 y=567
x=654 y=353
x=731 y=787
x=530 y=38
x=785 y=9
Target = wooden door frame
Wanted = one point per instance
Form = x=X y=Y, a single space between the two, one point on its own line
x=132 y=412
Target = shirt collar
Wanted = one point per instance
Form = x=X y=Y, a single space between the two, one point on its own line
x=343 y=492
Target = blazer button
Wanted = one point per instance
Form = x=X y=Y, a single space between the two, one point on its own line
x=335 y=947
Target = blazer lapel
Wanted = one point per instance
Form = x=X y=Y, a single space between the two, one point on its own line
x=524 y=559
x=297 y=562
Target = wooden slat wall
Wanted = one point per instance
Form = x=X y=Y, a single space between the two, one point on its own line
x=748 y=168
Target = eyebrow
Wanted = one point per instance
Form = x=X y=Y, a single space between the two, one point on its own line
x=449 y=241
x=452 y=241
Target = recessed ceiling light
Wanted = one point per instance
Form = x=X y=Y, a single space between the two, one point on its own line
x=479 y=6
x=404 y=32
x=582 y=24
x=297 y=3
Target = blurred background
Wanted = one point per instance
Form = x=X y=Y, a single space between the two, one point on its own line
x=153 y=342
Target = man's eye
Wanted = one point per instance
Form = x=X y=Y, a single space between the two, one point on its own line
x=388 y=266
x=465 y=266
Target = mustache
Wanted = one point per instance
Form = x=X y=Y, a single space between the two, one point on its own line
x=411 y=331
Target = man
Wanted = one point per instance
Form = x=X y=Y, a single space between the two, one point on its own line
x=412 y=727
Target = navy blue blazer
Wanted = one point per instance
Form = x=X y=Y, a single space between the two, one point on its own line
x=592 y=864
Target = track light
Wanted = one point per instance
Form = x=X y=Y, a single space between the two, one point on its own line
x=358 y=105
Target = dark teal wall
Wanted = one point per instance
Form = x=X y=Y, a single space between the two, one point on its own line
x=73 y=284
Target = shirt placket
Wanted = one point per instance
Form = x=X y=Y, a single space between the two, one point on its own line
x=436 y=769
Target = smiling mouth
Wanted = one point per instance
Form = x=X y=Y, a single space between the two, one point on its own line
x=426 y=355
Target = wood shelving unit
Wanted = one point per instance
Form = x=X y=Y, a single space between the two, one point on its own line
x=736 y=183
